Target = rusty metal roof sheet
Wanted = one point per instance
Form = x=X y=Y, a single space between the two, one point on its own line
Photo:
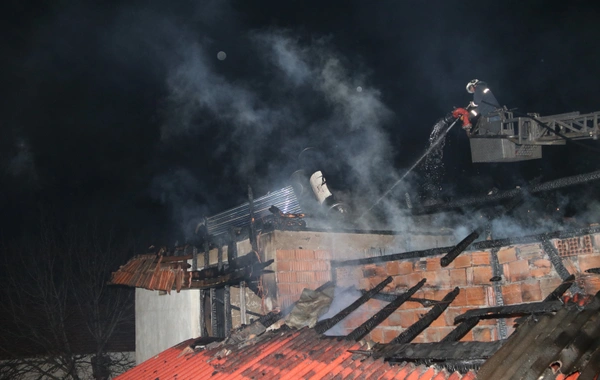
x=281 y=354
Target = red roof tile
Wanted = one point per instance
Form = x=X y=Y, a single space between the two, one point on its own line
x=283 y=354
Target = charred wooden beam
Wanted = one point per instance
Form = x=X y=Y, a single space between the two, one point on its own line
x=214 y=320
x=380 y=316
x=222 y=301
x=481 y=245
x=511 y=310
x=459 y=248
x=497 y=273
x=560 y=289
x=486 y=244
x=328 y=323
x=461 y=330
x=555 y=295
x=203 y=314
x=272 y=317
x=558 y=265
x=249 y=273
x=461 y=366
x=555 y=259
x=227 y=306
x=478 y=201
x=416 y=328
x=245 y=268
x=392 y=257
x=284 y=221
x=440 y=352
x=425 y=302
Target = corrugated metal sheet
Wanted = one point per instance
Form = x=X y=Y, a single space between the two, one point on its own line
x=565 y=343
x=284 y=199
x=281 y=354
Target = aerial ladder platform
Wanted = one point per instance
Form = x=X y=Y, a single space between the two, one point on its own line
x=504 y=137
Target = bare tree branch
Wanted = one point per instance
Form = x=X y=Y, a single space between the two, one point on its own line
x=59 y=313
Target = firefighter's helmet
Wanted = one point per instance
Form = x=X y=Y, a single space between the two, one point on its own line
x=472 y=83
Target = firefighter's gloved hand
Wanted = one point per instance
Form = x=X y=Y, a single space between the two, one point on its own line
x=460 y=112
x=463 y=114
x=472 y=105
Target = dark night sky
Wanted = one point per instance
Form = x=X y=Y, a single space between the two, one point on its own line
x=121 y=110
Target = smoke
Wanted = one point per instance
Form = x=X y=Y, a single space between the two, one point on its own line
x=218 y=90
x=180 y=190
x=298 y=93
x=343 y=297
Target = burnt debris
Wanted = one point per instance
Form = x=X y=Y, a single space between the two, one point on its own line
x=460 y=247
x=381 y=315
x=328 y=323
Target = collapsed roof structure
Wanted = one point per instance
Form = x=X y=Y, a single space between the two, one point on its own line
x=448 y=312
x=559 y=336
x=429 y=307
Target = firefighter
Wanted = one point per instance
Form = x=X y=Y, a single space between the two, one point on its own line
x=484 y=102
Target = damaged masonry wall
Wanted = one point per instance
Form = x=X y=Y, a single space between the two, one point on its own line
x=163 y=320
x=526 y=275
x=303 y=260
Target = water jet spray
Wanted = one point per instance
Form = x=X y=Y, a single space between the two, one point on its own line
x=447 y=119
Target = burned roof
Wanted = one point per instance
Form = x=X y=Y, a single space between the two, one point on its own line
x=565 y=342
x=166 y=273
x=557 y=337
x=284 y=353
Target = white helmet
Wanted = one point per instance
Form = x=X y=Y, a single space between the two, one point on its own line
x=472 y=84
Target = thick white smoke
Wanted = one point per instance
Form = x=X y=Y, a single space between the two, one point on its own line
x=307 y=95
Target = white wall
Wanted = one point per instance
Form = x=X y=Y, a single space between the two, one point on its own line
x=162 y=321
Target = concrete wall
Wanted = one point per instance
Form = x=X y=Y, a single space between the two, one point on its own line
x=162 y=321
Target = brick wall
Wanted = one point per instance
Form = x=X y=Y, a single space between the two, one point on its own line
x=527 y=276
x=298 y=269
